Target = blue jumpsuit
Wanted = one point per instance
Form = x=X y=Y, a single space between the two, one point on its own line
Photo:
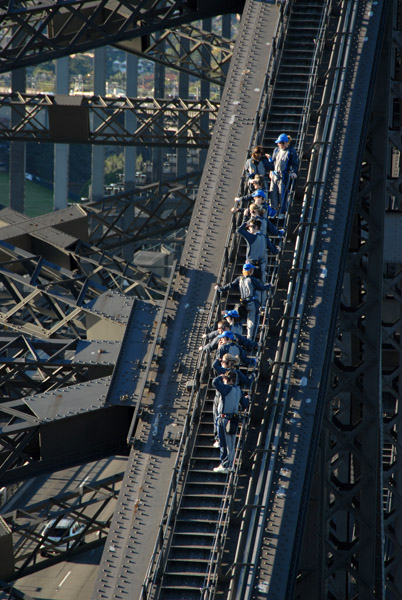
x=231 y=397
x=248 y=287
x=285 y=162
x=241 y=379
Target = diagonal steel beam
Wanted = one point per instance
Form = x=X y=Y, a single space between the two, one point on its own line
x=15 y=446
x=33 y=366
x=106 y=271
x=151 y=211
x=55 y=304
x=165 y=122
x=188 y=49
x=41 y=31
x=90 y=505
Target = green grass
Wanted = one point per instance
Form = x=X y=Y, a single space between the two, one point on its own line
x=38 y=200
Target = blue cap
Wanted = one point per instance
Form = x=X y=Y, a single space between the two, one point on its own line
x=248 y=267
x=282 y=138
x=232 y=313
x=227 y=334
x=259 y=193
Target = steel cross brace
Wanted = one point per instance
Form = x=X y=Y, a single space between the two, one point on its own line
x=56 y=303
x=92 y=264
x=205 y=55
x=33 y=33
x=142 y=214
x=84 y=504
x=35 y=366
x=173 y=122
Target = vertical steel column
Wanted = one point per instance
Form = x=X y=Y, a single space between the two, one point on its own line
x=181 y=153
x=17 y=150
x=98 y=152
x=391 y=323
x=61 y=151
x=353 y=515
x=205 y=91
x=159 y=92
x=130 y=152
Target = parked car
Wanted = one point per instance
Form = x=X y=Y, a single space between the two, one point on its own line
x=61 y=533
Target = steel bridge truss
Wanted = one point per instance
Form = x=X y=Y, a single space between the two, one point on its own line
x=85 y=260
x=352 y=438
x=364 y=419
x=142 y=215
x=71 y=306
x=43 y=300
x=112 y=272
x=35 y=430
x=33 y=366
x=90 y=505
x=66 y=119
x=36 y=32
x=189 y=49
x=356 y=488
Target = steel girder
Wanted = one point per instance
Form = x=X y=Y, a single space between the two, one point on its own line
x=365 y=419
x=35 y=431
x=353 y=437
x=40 y=31
x=90 y=505
x=391 y=356
x=33 y=366
x=205 y=55
x=39 y=299
x=141 y=215
x=350 y=495
x=66 y=119
x=83 y=260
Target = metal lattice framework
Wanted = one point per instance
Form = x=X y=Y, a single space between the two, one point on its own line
x=55 y=304
x=71 y=323
x=32 y=366
x=391 y=349
x=189 y=49
x=391 y=390
x=91 y=507
x=365 y=387
x=39 y=31
x=159 y=122
x=88 y=262
x=360 y=492
x=142 y=215
x=40 y=299
x=354 y=552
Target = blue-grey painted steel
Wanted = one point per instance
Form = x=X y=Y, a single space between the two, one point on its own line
x=150 y=475
x=99 y=24
x=317 y=284
x=392 y=237
x=320 y=262
x=128 y=376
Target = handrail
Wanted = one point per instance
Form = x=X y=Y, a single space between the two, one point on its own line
x=297 y=290
x=231 y=241
x=173 y=496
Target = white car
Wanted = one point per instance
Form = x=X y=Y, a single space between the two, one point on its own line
x=62 y=533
